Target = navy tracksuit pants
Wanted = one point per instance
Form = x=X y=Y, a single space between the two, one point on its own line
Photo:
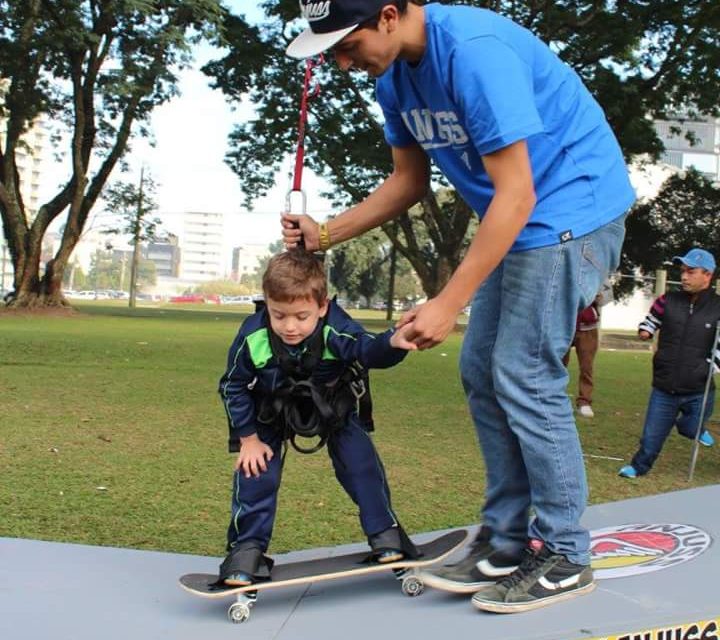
x=357 y=467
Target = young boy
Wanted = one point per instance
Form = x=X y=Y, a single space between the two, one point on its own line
x=292 y=370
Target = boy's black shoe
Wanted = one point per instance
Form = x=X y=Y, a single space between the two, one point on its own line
x=481 y=568
x=387 y=546
x=543 y=578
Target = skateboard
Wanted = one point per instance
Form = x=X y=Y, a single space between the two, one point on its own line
x=320 y=570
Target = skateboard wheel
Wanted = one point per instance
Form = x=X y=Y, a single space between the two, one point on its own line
x=412 y=586
x=238 y=612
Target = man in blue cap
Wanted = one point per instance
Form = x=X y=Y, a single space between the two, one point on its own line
x=688 y=319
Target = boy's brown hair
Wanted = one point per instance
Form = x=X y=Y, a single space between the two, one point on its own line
x=294 y=274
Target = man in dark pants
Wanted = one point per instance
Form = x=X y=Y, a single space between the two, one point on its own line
x=680 y=367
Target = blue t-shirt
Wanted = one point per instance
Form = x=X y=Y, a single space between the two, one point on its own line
x=483 y=83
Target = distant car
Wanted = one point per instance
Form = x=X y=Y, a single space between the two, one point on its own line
x=81 y=295
x=188 y=299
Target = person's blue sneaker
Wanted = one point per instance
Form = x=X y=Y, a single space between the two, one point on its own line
x=238 y=580
x=706 y=439
x=628 y=471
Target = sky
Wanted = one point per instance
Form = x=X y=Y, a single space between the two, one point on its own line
x=186 y=162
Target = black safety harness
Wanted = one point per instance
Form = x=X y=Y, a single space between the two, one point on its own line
x=302 y=407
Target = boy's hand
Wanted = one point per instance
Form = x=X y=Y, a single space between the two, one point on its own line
x=300 y=227
x=253 y=457
x=644 y=335
x=398 y=340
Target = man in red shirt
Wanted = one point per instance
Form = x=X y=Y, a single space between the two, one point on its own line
x=586 y=342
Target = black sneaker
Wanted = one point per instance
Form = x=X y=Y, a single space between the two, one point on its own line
x=543 y=578
x=387 y=546
x=481 y=568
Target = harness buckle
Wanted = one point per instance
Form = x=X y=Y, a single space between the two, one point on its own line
x=358 y=388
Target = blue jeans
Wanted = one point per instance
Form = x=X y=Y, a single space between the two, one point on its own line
x=665 y=410
x=521 y=325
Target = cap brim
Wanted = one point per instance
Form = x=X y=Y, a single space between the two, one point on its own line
x=309 y=43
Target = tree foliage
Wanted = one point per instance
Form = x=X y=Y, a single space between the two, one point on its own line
x=96 y=69
x=358 y=270
x=133 y=204
x=108 y=271
x=683 y=215
x=642 y=59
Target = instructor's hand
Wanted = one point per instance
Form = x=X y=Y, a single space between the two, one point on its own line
x=297 y=227
x=427 y=325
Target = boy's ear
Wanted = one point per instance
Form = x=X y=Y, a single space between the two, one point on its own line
x=324 y=308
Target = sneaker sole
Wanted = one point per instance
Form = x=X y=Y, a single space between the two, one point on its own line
x=431 y=580
x=517 y=607
x=237 y=583
x=394 y=558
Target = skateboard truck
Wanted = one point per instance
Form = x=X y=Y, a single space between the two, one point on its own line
x=239 y=611
x=410 y=582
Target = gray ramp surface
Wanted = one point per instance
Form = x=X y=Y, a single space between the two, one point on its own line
x=79 y=592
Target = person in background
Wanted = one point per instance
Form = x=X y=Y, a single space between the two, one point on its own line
x=687 y=320
x=587 y=342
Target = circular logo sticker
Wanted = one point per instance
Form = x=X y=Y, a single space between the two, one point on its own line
x=632 y=549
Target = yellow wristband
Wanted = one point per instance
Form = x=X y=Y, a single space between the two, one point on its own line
x=324 y=237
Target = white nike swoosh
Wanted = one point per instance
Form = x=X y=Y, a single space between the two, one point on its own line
x=554 y=586
x=491 y=570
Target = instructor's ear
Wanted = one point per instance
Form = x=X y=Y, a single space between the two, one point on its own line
x=389 y=16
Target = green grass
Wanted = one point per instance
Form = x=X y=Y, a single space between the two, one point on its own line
x=112 y=434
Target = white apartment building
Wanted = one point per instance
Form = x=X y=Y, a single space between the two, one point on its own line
x=246 y=259
x=202 y=244
x=703 y=153
x=29 y=158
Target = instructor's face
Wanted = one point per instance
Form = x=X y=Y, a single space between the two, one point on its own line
x=369 y=49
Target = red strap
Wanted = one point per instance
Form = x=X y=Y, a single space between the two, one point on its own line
x=310 y=64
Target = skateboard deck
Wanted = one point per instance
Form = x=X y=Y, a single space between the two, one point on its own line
x=323 y=569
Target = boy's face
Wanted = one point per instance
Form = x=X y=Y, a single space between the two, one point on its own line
x=294 y=321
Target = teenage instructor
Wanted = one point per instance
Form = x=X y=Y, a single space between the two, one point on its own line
x=526 y=145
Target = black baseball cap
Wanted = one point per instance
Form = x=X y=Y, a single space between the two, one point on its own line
x=330 y=21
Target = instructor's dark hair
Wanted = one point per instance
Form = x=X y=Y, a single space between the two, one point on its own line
x=401 y=5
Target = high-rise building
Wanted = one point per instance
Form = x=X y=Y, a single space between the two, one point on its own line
x=246 y=259
x=165 y=253
x=28 y=157
x=202 y=246
x=691 y=143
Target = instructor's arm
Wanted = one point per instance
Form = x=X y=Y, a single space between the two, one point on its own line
x=407 y=184
x=511 y=206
